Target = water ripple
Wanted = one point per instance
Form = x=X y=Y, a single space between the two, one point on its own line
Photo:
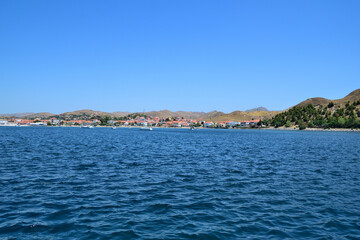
x=71 y=183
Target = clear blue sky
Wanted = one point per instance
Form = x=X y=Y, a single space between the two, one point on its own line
x=67 y=55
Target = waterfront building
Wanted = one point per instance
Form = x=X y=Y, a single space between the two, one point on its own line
x=3 y=122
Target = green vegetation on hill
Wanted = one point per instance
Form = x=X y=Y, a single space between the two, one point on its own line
x=328 y=116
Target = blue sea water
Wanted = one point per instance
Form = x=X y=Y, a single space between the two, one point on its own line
x=73 y=183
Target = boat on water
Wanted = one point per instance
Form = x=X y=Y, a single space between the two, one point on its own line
x=114 y=127
x=192 y=128
x=146 y=128
x=87 y=126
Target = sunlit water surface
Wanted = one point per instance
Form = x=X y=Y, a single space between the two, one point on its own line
x=73 y=183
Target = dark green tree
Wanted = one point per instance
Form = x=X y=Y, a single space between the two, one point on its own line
x=104 y=120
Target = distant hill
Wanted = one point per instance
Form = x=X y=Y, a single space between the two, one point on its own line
x=120 y=114
x=161 y=114
x=85 y=113
x=41 y=115
x=243 y=116
x=255 y=113
x=88 y=114
x=184 y=114
x=319 y=101
x=258 y=109
x=16 y=115
x=213 y=115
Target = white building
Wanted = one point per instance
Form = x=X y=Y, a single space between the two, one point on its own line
x=232 y=124
x=54 y=121
x=143 y=124
x=245 y=124
x=3 y=122
x=208 y=124
x=37 y=124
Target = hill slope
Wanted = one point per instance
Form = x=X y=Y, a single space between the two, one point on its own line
x=16 y=115
x=323 y=113
x=260 y=109
x=184 y=114
x=41 y=115
x=83 y=114
x=120 y=114
x=318 y=101
x=243 y=116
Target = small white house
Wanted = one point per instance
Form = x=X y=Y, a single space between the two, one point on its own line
x=208 y=124
x=54 y=121
x=232 y=124
x=176 y=124
x=143 y=124
x=3 y=122
x=37 y=124
x=245 y=124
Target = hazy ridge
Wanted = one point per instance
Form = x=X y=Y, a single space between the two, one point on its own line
x=254 y=113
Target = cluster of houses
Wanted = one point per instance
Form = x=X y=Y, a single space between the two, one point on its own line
x=28 y=122
x=138 y=121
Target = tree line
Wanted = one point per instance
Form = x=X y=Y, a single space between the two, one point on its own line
x=330 y=116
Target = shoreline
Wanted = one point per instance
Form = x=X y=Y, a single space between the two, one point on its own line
x=312 y=129
x=200 y=128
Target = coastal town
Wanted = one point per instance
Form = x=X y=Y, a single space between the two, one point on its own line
x=313 y=113
x=137 y=121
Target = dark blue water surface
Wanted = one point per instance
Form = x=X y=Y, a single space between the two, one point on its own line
x=73 y=183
